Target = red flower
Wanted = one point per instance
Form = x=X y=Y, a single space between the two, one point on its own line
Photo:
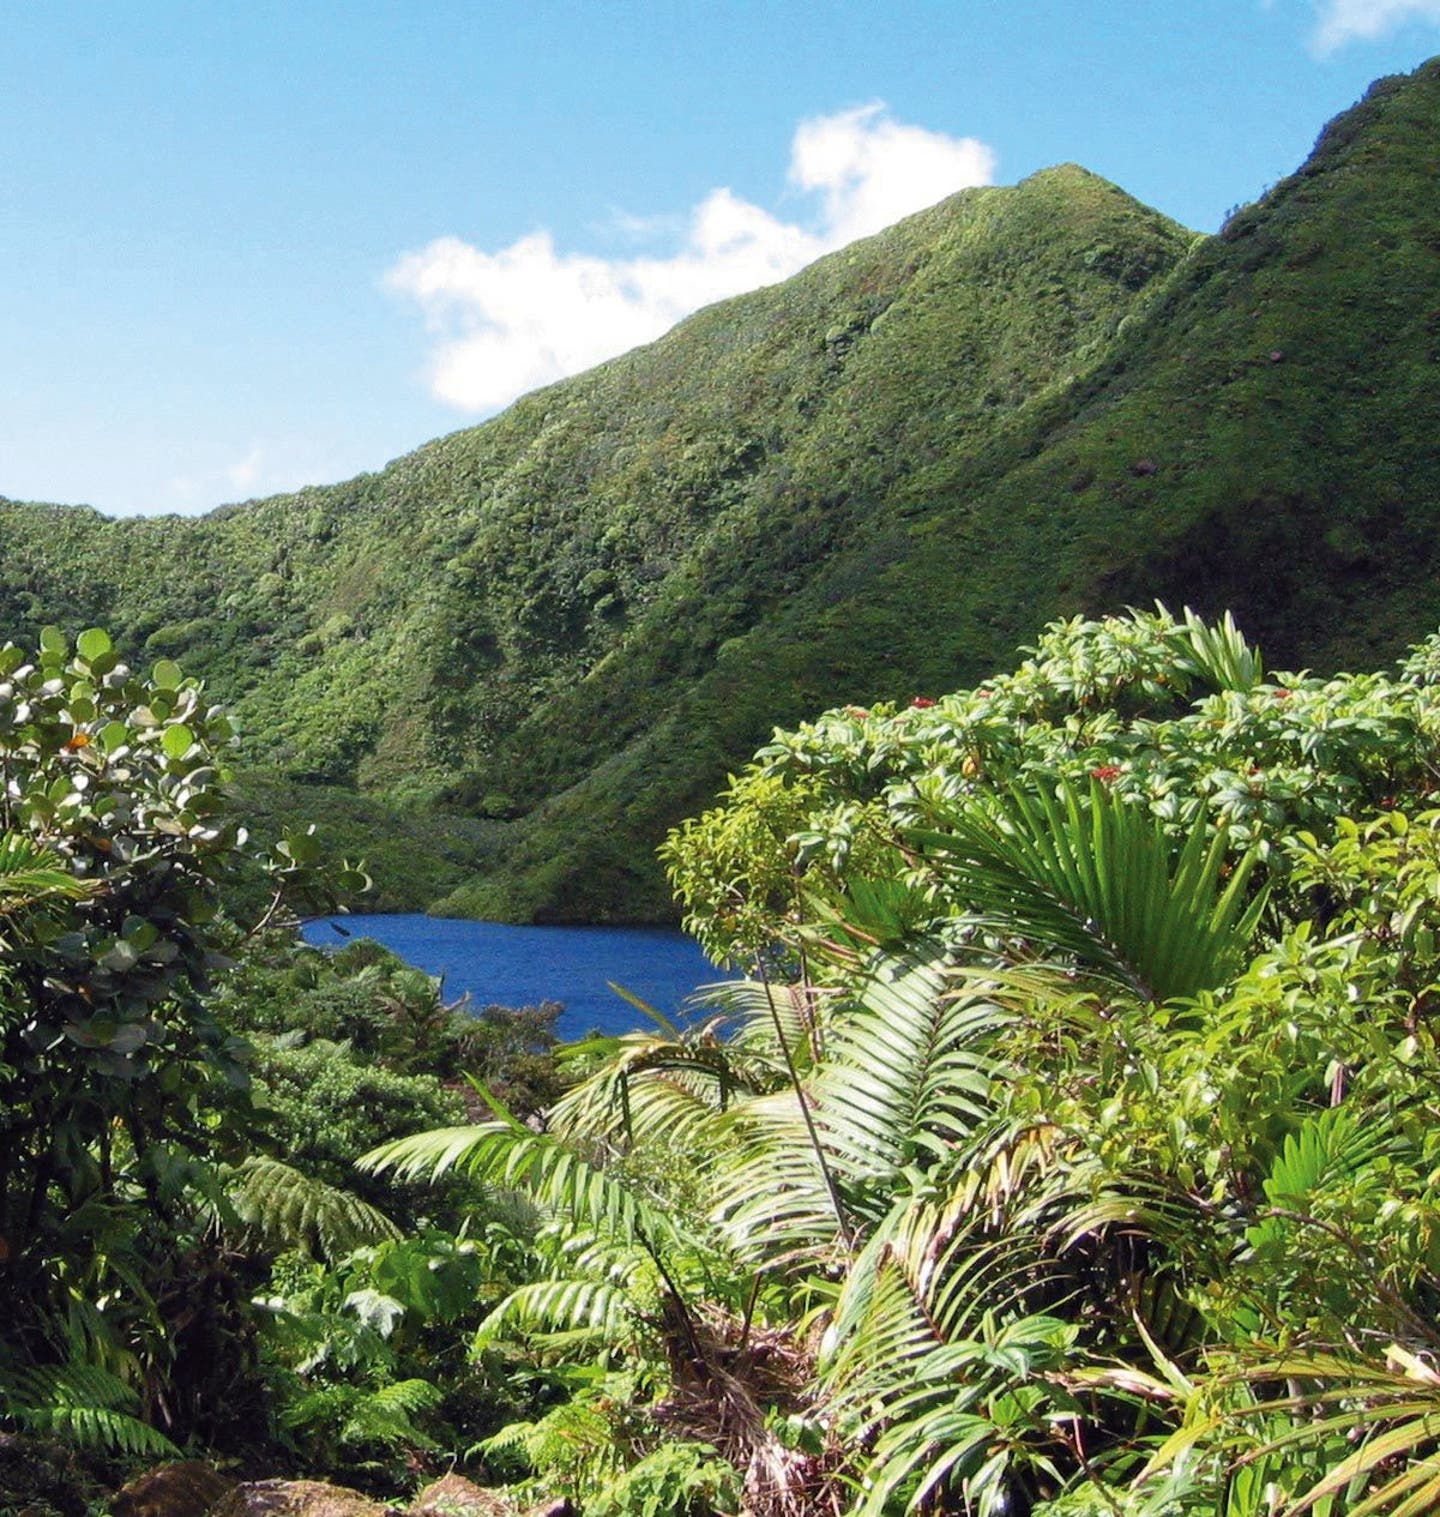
x=1282 y=694
x=1106 y=772
x=922 y=702
x=859 y=712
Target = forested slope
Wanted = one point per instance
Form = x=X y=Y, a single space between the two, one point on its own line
x=866 y=483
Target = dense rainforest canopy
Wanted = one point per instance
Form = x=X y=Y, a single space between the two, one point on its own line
x=502 y=667
x=1071 y=1147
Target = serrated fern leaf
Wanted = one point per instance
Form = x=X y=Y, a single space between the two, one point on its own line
x=88 y=1405
x=289 y=1209
x=387 y=1415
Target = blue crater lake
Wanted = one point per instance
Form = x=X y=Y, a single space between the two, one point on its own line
x=521 y=966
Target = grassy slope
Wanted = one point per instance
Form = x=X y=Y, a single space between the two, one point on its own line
x=868 y=483
x=504 y=610
x=1261 y=436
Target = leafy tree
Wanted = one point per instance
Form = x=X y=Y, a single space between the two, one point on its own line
x=121 y=1094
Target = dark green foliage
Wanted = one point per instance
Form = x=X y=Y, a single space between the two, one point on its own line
x=323 y=1106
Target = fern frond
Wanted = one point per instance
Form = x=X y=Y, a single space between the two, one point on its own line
x=289 y=1209
x=386 y=1416
x=87 y=1405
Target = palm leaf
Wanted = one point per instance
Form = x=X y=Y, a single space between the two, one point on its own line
x=1100 y=881
x=30 y=872
x=908 y=1073
x=597 y=1307
x=1385 y=1418
x=930 y=1357
x=1219 y=653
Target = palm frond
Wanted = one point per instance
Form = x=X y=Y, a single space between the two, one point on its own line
x=1380 y=1423
x=911 y=1068
x=1100 y=880
x=931 y=1363
x=597 y=1307
x=1220 y=653
x=30 y=872
x=762 y=1012
x=505 y=1153
x=651 y=1087
x=908 y=1073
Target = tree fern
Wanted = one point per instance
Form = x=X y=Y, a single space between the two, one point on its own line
x=289 y=1209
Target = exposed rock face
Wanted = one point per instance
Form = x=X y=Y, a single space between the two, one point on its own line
x=454 y=1496
x=296 y=1498
x=188 y=1488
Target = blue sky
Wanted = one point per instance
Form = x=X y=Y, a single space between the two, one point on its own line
x=252 y=246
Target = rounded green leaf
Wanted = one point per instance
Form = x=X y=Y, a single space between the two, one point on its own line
x=52 y=640
x=94 y=642
x=166 y=674
x=178 y=741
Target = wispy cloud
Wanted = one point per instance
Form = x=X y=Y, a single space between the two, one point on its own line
x=505 y=322
x=259 y=471
x=1343 y=21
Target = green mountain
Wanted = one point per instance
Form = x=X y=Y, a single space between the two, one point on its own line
x=507 y=662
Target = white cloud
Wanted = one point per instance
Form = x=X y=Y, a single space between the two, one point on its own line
x=871 y=170
x=505 y=322
x=1343 y=21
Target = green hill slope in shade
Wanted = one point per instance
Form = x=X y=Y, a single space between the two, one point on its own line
x=865 y=484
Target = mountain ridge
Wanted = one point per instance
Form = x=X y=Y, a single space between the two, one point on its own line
x=865 y=483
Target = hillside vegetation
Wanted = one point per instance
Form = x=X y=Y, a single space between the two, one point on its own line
x=558 y=630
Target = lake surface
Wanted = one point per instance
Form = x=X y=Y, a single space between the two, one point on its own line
x=521 y=966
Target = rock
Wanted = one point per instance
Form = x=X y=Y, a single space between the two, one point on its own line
x=188 y=1488
x=455 y=1496
x=296 y=1498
